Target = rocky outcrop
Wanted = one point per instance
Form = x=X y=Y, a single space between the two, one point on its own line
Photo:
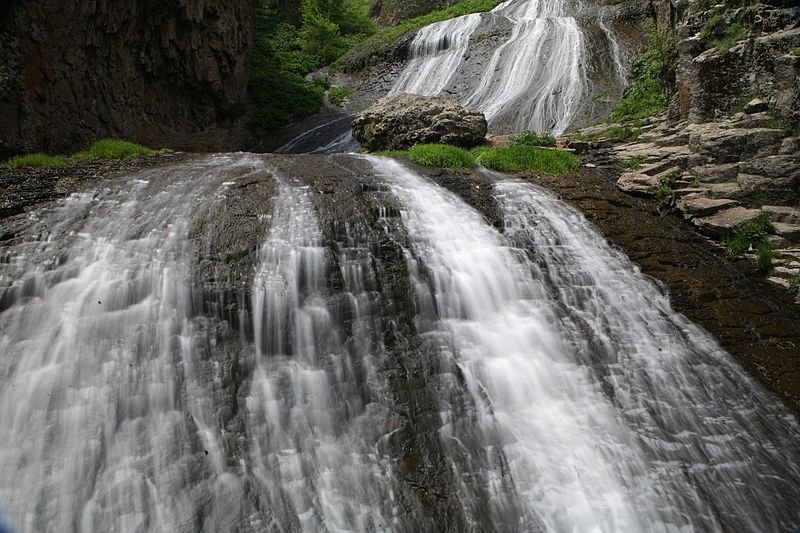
x=160 y=73
x=400 y=122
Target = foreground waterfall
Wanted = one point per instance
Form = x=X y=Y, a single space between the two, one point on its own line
x=537 y=79
x=384 y=360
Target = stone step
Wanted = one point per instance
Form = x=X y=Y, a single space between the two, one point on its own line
x=636 y=183
x=661 y=167
x=702 y=191
x=716 y=173
x=696 y=205
x=790 y=232
x=722 y=222
x=780 y=213
x=724 y=190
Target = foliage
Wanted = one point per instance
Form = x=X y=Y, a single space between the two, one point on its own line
x=531 y=138
x=730 y=36
x=331 y=27
x=666 y=184
x=764 y=258
x=37 y=160
x=794 y=286
x=796 y=52
x=372 y=49
x=113 y=149
x=653 y=75
x=527 y=158
x=441 y=155
x=337 y=95
x=613 y=134
x=633 y=163
x=750 y=233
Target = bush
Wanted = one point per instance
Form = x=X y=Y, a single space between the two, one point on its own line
x=37 y=160
x=337 y=95
x=794 y=286
x=653 y=75
x=531 y=138
x=527 y=158
x=749 y=234
x=441 y=155
x=764 y=258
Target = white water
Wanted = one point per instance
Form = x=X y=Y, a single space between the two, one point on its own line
x=436 y=52
x=535 y=80
x=539 y=343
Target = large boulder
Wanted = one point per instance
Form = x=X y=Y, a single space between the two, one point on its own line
x=399 y=122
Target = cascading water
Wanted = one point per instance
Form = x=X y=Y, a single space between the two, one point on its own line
x=395 y=363
x=536 y=79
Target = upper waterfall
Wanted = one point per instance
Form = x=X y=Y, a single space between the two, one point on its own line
x=537 y=77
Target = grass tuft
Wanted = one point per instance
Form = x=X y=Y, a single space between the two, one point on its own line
x=441 y=155
x=337 y=95
x=114 y=149
x=531 y=138
x=37 y=160
x=527 y=158
x=633 y=163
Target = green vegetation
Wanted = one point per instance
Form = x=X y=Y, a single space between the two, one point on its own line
x=37 y=160
x=796 y=52
x=614 y=134
x=373 y=48
x=764 y=258
x=653 y=75
x=531 y=138
x=730 y=36
x=749 y=234
x=103 y=149
x=633 y=163
x=794 y=286
x=666 y=184
x=527 y=158
x=535 y=159
x=337 y=94
x=441 y=155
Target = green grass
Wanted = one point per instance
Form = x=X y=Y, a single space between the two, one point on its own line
x=796 y=52
x=337 y=95
x=751 y=233
x=794 y=286
x=764 y=258
x=372 y=50
x=633 y=163
x=531 y=138
x=113 y=149
x=38 y=160
x=730 y=36
x=441 y=155
x=666 y=184
x=527 y=158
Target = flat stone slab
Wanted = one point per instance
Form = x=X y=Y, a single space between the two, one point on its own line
x=722 y=222
x=782 y=213
x=700 y=206
x=790 y=232
x=636 y=183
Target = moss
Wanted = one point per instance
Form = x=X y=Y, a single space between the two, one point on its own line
x=37 y=160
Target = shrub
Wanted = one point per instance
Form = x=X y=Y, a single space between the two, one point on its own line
x=441 y=155
x=794 y=286
x=37 y=160
x=531 y=138
x=666 y=183
x=749 y=234
x=764 y=258
x=653 y=75
x=337 y=95
x=633 y=163
x=527 y=158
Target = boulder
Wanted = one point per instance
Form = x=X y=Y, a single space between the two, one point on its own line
x=400 y=122
x=722 y=222
x=732 y=145
x=756 y=105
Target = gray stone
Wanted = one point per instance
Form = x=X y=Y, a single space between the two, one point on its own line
x=790 y=232
x=400 y=122
x=636 y=183
x=700 y=206
x=716 y=173
x=731 y=145
x=722 y=222
x=756 y=105
x=780 y=213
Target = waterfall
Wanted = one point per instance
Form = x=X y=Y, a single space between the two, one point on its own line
x=536 y=79
x=386 y=361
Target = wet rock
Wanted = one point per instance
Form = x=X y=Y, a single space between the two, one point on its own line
x=636 y=183
x=397 y=123
x=720 y=223
x=700 y=206
x=756 y=105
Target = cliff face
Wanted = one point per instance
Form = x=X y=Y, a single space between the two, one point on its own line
x=157 y=72
x=760 y=59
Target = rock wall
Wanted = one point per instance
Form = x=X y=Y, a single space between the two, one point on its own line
x=163 y=73
x=714 y=82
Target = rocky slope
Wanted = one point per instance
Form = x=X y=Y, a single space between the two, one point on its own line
x=160 y=73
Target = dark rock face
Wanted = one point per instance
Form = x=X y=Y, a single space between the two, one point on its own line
x=159 y=73
x=400 y=122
